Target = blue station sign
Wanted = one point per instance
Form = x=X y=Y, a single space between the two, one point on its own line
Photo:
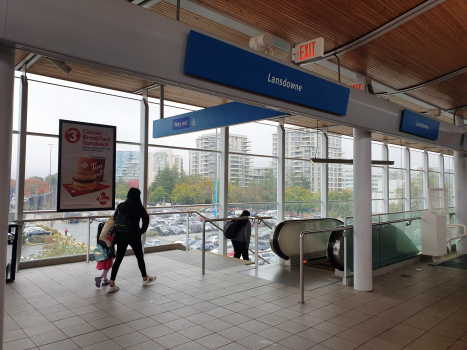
x=416 y=124
x=216 y=60
x=209 y=118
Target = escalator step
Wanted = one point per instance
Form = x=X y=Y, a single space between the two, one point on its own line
x=322 y=265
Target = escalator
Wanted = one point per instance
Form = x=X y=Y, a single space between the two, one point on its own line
x=390 y=243
x=285 y=242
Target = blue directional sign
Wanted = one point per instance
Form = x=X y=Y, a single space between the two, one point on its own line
x=419 y=125
x=209 y=118
x=216 y=60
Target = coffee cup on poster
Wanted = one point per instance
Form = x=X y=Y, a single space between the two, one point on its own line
x=84 y=161
x=97 y=166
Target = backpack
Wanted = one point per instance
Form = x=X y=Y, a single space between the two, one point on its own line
x=99 y=254
x=122 y=222
x=229 y=230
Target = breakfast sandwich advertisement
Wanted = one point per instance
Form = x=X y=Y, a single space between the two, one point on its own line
x=86 y=166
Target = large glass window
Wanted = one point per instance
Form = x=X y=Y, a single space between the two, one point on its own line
x=396 y=179
x=449 y=177
x=433 y=170
x=416 y=180
x=48 y=103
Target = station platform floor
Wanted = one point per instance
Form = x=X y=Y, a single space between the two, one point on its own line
x=58 y=307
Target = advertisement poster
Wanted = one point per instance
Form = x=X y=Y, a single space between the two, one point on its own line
x=86 y=166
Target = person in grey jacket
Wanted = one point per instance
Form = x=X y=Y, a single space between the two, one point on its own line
x=242 y=238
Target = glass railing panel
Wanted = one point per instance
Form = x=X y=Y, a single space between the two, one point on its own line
x=391 y=243
x=395 y=243
x=54 y=239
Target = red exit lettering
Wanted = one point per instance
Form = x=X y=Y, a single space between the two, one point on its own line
x=307 y=51
x=357 y=86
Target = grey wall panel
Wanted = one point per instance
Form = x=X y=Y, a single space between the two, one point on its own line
x=3 y=14
x=132 y=40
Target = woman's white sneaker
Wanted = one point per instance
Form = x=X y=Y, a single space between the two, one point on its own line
x=113 y=288
x=150 y=279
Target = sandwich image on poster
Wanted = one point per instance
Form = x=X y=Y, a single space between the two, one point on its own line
x=86 y=175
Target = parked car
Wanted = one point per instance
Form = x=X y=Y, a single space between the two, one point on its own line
x=265 y=234
x=214 y=240
x=262 y=245
x=153 y=242
x=183 y=242
x=198 y=245
x=196 y=228
x=38 y=232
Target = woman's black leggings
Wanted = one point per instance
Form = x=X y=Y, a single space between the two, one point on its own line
x=240 y=249
x=122 y=245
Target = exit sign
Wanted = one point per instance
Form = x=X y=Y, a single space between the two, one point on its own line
x=359 y=86
x=306 y=51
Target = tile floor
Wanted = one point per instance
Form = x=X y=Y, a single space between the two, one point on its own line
x=57 y=307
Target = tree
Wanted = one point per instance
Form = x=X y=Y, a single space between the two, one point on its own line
x=187 y=194
x=58 y=245
x=158 y=195
x=133 y=183
x=166 y=178
x=35 y=185
x=299 y=194
x=340 y=203
x=53 y=180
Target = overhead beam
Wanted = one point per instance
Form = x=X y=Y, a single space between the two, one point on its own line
x=396 y=22
x=149 y=88
x=145 y=3
x=28 y=61
x=380 y=86
x=428 y=83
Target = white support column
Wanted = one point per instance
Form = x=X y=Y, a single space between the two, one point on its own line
x=460 y=189
x=441 y=170
x=426 y=179
x=385 y=178
x=143 y=152
x=281 y=171
x=21 y=159
x=408 y=197
x=324 y=173
x=224 y=186
x=363 y=271
x=7 y=77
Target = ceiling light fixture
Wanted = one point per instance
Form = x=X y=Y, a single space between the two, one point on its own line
x=348 y=161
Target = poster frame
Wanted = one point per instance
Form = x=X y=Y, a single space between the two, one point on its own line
x=59 y=182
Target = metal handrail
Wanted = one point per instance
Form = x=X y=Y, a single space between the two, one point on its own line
x=335 y=229
x=396 y=212
x=254 y=218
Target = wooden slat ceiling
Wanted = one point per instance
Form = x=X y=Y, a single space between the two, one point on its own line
x=338 y=22
x=428 y=46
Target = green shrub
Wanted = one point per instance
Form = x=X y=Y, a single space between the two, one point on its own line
x=152 y=234
x=37 y=239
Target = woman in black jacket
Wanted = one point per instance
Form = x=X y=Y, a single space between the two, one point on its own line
x=135 y=212
x=241 y=241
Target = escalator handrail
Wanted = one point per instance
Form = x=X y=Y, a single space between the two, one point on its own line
x=275 y=239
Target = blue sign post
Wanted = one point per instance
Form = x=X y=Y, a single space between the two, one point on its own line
x=419 y=125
